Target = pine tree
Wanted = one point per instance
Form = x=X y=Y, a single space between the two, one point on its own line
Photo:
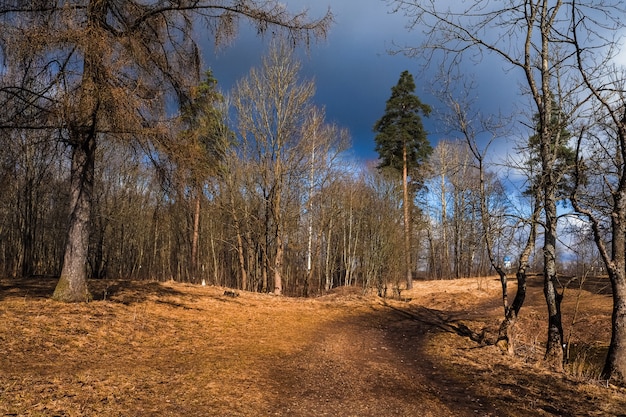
x=200 y=148
x=402 y=144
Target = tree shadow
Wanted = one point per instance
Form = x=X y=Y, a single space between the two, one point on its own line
x=441 y=320
x=499 y=383
x=118 y=291
x=595 y=284
x=39 y=286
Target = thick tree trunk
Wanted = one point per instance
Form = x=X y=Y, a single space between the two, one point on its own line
x=615 y=365
x=278 y=266
x=506 y=339
x=82 y=126
x=554 y=345
x=72 y=285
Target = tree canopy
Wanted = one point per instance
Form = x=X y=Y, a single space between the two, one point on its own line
x=401 y=127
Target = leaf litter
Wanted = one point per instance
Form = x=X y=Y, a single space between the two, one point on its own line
x=172 y=349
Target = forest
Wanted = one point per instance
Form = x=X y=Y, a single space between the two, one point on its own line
x=123 y=158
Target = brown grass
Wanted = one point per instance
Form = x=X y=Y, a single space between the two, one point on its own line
x=145 y=349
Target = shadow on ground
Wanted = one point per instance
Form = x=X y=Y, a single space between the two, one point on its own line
x=119 y=291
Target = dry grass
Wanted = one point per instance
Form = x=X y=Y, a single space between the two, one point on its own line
x=147 y=349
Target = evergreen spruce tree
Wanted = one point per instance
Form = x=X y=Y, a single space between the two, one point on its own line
x=403 y=147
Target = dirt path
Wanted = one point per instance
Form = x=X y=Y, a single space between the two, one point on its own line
x=372 y=365
x=148 y=349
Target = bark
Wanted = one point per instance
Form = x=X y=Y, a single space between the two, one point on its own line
x=309 y=246
x=72 y=285
x=277 y=216
x=615 y=364
x=615 y=259
x=548 y=149
x=195 y=235
x=240 y=248
x=328 y=271
x=615 y=262
x=82 y=127
x=407 y=221
x=278 y=265
x=554 y=345
x=506 y=338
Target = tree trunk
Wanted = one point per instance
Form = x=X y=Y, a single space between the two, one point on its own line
x=615 y=365
x=82 y=126
x=278 y=265
x=407 y=221
x=554 y=345
x=195 y=235
x=280 y=250
x=240 y=249
x=328 y=271
x=72 y=285
x=445 y=247
x=28 y=234
x=506 y=340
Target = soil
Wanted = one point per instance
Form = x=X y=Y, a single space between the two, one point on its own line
x=168 y=349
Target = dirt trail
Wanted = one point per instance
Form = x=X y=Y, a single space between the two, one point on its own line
x=371 y=365
x=147 y=349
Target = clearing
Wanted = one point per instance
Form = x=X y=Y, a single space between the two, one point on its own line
x=167 y=349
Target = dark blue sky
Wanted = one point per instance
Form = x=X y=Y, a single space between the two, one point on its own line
x=352 y=68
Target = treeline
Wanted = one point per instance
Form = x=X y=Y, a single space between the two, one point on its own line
x=243 y=203
x=254 y=190
x=341 y=223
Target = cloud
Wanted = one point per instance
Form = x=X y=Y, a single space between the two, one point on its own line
x=352 y=68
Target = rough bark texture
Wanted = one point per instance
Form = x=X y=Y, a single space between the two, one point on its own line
x=615 y=364
x=554 y=344
x=72 y=285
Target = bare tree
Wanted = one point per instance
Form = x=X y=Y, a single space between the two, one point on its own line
x=110 y=67
x=535 y=38
x=600 y=191
x=479 y=133
x=272 y=106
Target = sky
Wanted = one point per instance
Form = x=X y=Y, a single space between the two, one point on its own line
x=352 y=68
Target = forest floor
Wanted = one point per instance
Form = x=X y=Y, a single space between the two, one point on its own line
x=166 y=349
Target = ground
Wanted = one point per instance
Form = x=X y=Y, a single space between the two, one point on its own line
x=167 y=349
